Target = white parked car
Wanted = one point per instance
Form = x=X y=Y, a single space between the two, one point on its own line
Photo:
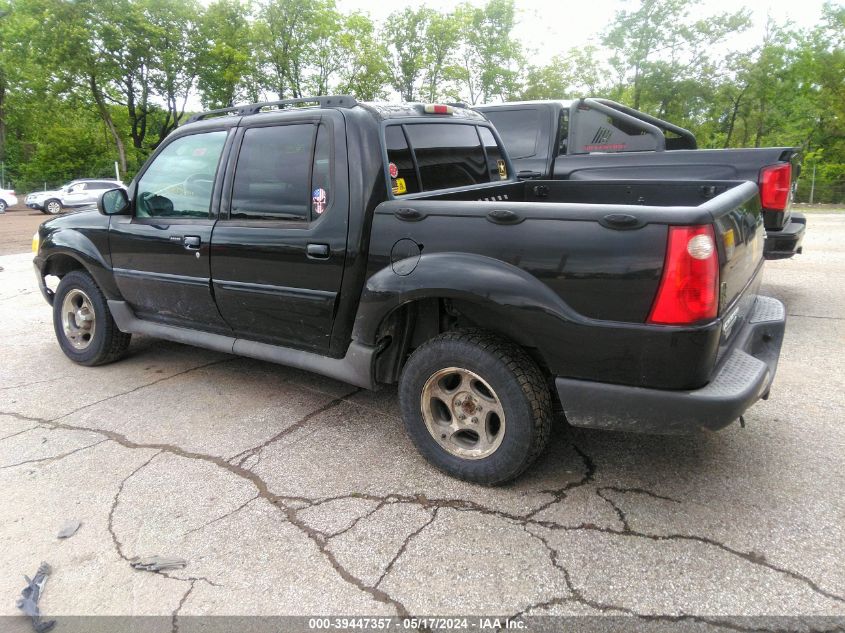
x=7 y=199
x=77 y=193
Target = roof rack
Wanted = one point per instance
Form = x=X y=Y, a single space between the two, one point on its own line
x=327 y=101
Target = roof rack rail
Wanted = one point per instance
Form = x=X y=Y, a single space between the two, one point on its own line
x=326 y=101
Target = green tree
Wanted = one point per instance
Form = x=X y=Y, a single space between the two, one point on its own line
x=364 y=72
x=578 y=73
x=225 y=37
x=405 y=36
x=490 y=57
x=655 y=44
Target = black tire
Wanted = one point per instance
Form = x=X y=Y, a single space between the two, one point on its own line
x=52 y=207
x=3 y=206
x=107 y=343
x=517 y=385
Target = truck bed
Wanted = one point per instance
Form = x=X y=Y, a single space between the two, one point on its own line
x=600 y=248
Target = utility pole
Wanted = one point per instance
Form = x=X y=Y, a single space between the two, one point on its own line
x=813 y=184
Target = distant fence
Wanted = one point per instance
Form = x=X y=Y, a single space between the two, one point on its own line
x=828 y=186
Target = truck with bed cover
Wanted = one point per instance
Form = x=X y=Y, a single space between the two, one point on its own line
x=393 y=244
x=599 y=139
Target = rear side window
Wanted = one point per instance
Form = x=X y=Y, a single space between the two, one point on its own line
x=598 y=132
x=403 y=173
x=447 y=155
x=520 y=130
x=273 y=174
x=496 y=165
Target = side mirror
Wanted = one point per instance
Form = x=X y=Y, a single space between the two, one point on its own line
x=113 y=202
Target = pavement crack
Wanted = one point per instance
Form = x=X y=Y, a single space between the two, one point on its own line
x=221 y=517
x=577 y=596
x=118 y=546
x=246 y=454
x=278 y=501
x=559 y=494
x=53 y=458
x=623 y=519
x=751 y=557
x=378 y=507
x=816 y=316
x=144 y=386
x=28 y=384
x=174 y=618
x=27 y=430
x=404 y=546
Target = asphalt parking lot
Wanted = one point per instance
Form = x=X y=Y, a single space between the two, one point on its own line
x=288 y=493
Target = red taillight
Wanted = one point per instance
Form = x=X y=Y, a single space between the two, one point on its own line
x=775 y=181
x=688 y=291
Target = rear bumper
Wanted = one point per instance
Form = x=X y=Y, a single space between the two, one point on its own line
x=743 y=375
x=786 y=242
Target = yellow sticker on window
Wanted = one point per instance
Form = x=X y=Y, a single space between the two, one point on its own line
x=503 y=170
x=399 y=186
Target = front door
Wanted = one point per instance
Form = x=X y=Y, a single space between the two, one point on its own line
x=78 y=195
x=277 y=257
x=160 y=253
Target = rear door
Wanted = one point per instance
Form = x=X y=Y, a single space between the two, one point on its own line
x=160 y=253
x=278 y=251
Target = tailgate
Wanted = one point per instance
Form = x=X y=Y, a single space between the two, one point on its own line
x=740 y=237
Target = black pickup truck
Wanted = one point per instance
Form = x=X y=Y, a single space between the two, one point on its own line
x=599 y=139
x=381 y=244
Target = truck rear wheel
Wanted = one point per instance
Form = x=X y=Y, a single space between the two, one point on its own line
x=476 y=407
x=84 y=326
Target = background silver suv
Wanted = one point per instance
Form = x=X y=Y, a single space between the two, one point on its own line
x=76 y=193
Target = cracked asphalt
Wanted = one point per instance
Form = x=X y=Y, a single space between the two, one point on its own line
x=289 y=493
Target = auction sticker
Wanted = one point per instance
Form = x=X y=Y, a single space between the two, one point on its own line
x=394 y=170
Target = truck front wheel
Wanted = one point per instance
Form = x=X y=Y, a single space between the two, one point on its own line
x=52 y=207
x=84 y=326
x=477 y=407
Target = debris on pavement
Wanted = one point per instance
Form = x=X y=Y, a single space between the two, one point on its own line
x=69 y=529
x=28 y=602
x=157 y=563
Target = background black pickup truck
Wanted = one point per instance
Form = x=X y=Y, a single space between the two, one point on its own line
x=382 y=244
x=598 y=139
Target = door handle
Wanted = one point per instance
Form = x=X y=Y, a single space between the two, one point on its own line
x=191 y=242
x=317 y=251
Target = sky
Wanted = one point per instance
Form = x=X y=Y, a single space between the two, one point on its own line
x=548 y=28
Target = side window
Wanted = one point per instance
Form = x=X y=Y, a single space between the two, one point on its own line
x=401 y=162
x=272 y=177
x=496 y=165
x=520 y=130
x=448 y=155
x=179 y=182
x=597 y=132
x=77 y=188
